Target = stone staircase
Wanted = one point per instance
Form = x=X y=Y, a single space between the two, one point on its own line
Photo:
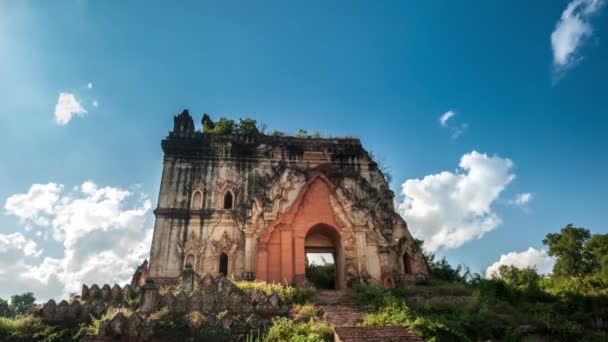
x=343 y=313
x=339 y=307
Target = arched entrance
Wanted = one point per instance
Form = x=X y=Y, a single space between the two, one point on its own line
x=223 y=267
x=323 y=255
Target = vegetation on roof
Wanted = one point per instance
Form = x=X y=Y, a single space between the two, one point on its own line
x=248 y=126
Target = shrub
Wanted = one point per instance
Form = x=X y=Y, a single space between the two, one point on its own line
x=224 y=126
x=284 y=329
x=248 y=126
x=289 y=294
x=305 y=311
x=321 y=276
x=30 y=328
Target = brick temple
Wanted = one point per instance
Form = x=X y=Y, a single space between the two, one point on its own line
x=252 y=206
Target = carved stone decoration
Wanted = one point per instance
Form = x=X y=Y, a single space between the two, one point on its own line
x=224 y=245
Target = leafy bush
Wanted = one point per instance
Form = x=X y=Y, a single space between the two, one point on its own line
x=305 y=311
x=247 y=126
x=29 y=328
x=224 y=126
x=289 y=294
x=284 y=329
x=321 y=276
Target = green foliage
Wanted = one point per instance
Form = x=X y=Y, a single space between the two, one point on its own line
x=22 y=303
x=289 y=294
x=224 y=126
x=5 y=309
x=305 y=311
x=302 y=133
x=573 y=258
x=115 y=311
x=276 y=133
x=526 y=281
x=28 y=328
x=284 y=329
x=441 y=269
x=316 y=135
x=321 y=276
x=248 y=126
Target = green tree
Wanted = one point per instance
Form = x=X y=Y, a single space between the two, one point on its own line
x=302 y=133
x=598 y=247
x=526 y=279
x=569 y=246
x=224 y=126
x=5 y=309
x=276 y=133
x=248 y=126
x=22 y=303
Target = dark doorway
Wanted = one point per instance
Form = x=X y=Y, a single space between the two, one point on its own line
x=228 y=200
x=224 y=264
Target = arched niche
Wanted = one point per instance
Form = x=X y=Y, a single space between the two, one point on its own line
x=197 y=200
x=223 y=264
x=228 y=202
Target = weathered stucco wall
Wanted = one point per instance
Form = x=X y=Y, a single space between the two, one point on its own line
x=253 y=199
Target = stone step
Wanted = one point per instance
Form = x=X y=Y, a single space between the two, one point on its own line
x=340 y=315
x=376 y=334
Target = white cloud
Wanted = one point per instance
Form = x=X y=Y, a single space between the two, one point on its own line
x=16 y=242
x=572 y=30
x=456 y=130
x=95 y=103
x=538 y=259
x=522 y=199
x=35 y=206
x=102 y=232
x=90 y=85
x=67 y=106
x=450 y=208
x=443 y=119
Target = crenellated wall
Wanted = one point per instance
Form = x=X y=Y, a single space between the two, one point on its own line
x=217 y=300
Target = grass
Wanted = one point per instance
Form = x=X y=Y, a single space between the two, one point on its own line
x=493 y=311
x=289 y=294
x=284 y=329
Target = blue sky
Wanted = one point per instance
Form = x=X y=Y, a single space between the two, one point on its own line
x=384 y=72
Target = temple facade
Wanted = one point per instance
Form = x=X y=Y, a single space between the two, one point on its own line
x=252 y=206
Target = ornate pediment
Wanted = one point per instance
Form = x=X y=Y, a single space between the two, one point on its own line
x=224 y=245
x=193 y=246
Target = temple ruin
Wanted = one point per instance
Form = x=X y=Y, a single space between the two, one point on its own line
x=251 y=206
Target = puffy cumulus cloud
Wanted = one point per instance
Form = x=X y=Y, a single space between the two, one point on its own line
x=13 y=245
x=532 y=257
x=450 y=208
x=67 y=107
x=572 y=29
x=36 y=206
x=522 y=199
x=102 y=232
